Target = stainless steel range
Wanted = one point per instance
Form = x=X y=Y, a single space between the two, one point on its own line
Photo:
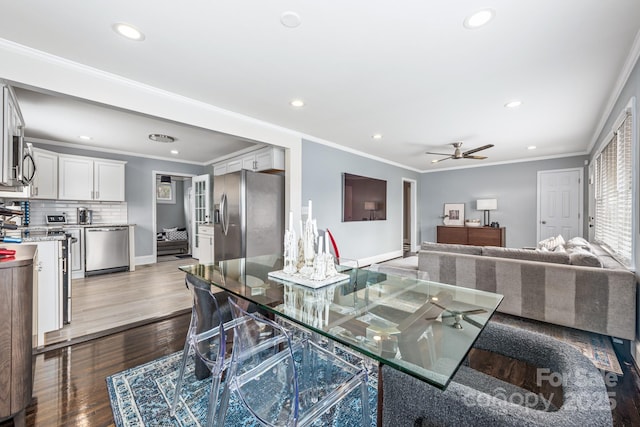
x=60 y=220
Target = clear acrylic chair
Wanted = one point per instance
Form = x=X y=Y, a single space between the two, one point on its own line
x=207 y=337
x=283 y=383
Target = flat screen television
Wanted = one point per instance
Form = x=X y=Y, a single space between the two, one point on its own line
x=363 y=198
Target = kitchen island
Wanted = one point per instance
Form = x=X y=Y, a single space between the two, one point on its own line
x=16 y=305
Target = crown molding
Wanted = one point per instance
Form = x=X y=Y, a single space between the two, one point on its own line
x=623 y=78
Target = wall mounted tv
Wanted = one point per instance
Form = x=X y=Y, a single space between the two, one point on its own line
x=363 y=198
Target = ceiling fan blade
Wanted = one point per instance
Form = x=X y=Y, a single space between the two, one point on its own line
x=439 y=154
x=472 y=322
x=439 y=160
x=475 y=150
x=475 y=157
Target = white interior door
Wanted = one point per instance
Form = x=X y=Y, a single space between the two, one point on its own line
x=560 y=194
x=201 y=208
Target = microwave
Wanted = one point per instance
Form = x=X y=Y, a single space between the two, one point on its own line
x=17 y=167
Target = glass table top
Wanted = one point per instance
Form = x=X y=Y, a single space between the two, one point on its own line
x=420 y=327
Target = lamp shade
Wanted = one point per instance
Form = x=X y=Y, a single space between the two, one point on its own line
x=369 y=206
x=486 y=204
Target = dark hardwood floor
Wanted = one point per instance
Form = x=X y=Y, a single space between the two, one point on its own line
x=69 y=383
x=70 y=387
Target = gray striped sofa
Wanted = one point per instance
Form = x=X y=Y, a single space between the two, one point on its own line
x=595 y=299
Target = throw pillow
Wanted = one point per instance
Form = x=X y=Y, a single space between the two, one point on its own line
x=577 y=242
x=176 y=235
x=584 y=258
x=167 y=230
x=551 y=243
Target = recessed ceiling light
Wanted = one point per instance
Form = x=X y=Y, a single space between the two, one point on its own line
x=376 y=136
x=531 y=147
x=297 y=103
x=85 y=137
x=175 y=152
x=290 y=19
x=128 y=31
x=513 y=104
x=158 y=137
x=478 y=19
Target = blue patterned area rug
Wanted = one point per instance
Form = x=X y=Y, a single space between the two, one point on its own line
x=141 y=396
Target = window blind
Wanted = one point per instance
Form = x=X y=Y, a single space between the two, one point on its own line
x=613 y=194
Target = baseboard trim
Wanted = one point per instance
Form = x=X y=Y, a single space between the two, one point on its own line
x=363 y=262
x=148 y=259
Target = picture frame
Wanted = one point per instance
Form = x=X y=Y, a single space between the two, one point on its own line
x=166 y=192
x=453 y=214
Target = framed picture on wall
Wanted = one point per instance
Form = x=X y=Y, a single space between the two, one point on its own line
x=166 y=192
x=453 y=214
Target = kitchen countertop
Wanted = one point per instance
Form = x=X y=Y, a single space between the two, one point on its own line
x=24 y=255
x=30 y=236
x=40 y=233
x=68 y=225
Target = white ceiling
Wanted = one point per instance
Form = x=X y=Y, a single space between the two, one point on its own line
x=408 y=70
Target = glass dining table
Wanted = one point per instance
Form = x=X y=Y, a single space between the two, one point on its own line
x=420 y=327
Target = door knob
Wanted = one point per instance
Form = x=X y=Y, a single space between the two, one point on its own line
x=543 y=222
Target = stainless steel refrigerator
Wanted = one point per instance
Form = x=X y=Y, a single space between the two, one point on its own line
x=248 y=214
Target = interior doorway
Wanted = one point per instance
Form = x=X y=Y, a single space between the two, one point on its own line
x=409 y=216
x=560 y=209
x=172 y=215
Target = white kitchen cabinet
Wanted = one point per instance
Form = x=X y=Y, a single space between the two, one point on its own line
x=86 y=178
x=205 y=243
x=108 y=181
x=77 y=255
x=234 y=165
x=75 y=178
x=45 y=181
x=48 y=270
x=219 y=169
x=11 y=123
x=267 y=158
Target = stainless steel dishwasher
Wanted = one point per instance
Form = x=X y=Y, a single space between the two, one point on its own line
x=106 y=250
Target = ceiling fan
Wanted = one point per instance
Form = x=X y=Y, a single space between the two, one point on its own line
x=457 y=154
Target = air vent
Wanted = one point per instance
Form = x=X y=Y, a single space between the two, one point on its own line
x=158 y=137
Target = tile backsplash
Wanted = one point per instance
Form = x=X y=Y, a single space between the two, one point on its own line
x=103 y=212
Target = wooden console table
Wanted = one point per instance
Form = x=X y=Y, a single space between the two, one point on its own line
x=477 y=236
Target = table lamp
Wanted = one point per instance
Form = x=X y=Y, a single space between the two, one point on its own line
x=486 y=205
x=371 y=207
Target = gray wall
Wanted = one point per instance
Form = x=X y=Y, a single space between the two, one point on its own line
x=322 y=169
x=514 y=185
x=169 y=215
x=139 y=187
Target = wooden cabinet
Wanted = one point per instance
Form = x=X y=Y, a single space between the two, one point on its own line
x=267 y=158
x=16 y=303
x=477 y=236
x=85 y=178
x=45 y=181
